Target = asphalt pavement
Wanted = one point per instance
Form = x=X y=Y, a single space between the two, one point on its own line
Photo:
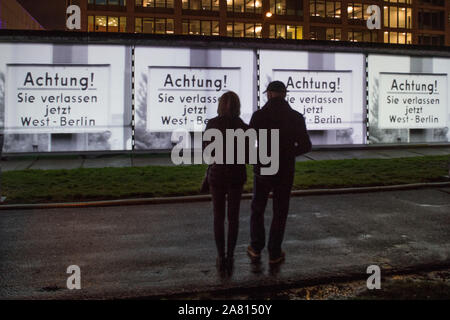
x=156 y=250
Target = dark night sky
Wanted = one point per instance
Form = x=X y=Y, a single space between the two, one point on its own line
x=50 y=13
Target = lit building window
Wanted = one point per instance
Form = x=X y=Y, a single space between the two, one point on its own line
x=333 y=34
x=154 y=3
x=365 y=13
x=358 y=11
x=325 y=8
x=107 y=24
x=355 y=36
x=362 y=36
x=355 y=11
x=200 y=27
x=294 y=32
x=210 y=5
x=397 y=17
x=235 y=29
x=253 y=30
x=248 y=6
x=397 y=37
x=333 y=9
x=91 y=24
x=317 y=8
x=154 y=25
x=401 y=1
x=282 y=31
x=287 y=7
x=241 y=30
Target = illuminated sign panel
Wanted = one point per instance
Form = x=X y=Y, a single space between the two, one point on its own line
x=184 y=97
x=327 y=88
x=179 y=89
x=60 y=99
x=72 y=97
x=408 y=99
x=413 y=101
x=323 y=97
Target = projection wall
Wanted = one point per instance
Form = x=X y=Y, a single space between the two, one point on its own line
x=327 y=88
x=179 y=88
x=65 y=97
x=408 y=99
x=72 y=98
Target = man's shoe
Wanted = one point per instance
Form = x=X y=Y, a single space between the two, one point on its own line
x=253 y=254
x=277 y=260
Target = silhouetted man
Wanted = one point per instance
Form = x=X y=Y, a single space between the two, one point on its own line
x=293 y=141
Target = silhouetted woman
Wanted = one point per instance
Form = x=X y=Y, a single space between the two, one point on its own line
x=226 y=181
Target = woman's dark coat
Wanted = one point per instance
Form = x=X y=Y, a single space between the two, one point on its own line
x=222 y=175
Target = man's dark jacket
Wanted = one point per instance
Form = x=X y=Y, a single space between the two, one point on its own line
x=294 y=139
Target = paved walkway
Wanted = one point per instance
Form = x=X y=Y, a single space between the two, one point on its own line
x=143 y=251
x=141 y=160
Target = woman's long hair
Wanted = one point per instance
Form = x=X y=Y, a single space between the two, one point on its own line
x=229 y=105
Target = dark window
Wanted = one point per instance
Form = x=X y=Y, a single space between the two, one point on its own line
x=210 y=5
x=431 y=40
x=154 y=25
x=318 y=33
x=200 y=27
x=108 y=2
x=334 y=34
x=433 y=2
x=431 y=20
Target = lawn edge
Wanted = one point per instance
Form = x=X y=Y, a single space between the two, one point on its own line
x=205 y=198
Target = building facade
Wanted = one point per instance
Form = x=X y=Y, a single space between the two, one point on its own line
x=403 y=21
x=14 y=16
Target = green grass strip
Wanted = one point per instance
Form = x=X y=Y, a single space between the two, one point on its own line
x=42 y=186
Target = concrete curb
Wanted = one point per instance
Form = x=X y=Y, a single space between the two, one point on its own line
x=204 y=198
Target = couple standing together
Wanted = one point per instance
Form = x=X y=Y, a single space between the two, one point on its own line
x=226 y=181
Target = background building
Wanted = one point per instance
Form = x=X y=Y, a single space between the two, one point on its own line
x=14 y=16
x=51 y=14
x=404 y=21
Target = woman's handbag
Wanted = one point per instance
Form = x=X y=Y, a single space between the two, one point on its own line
x=205 y=183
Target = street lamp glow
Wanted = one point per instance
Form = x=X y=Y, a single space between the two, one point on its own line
x=268 y=14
